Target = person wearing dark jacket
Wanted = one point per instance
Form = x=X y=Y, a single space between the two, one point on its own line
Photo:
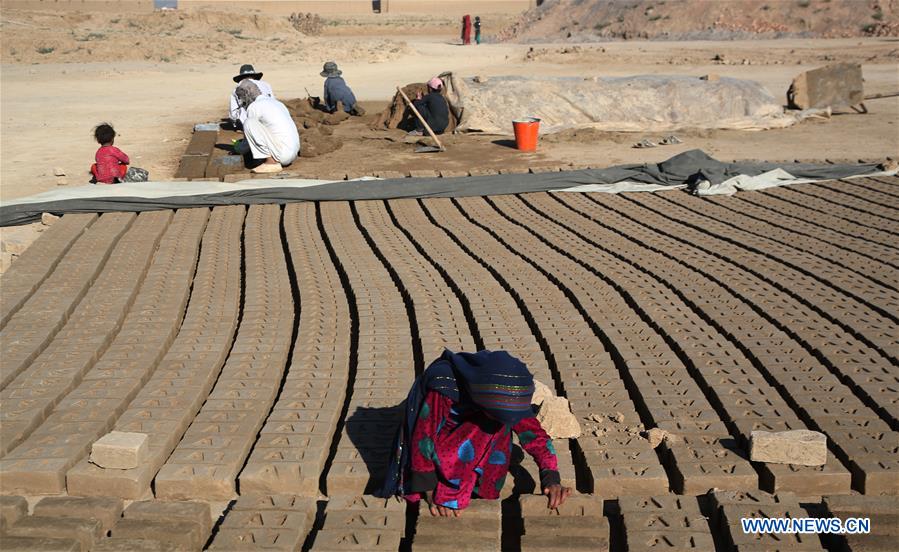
x=336 y=90
x=433 y=109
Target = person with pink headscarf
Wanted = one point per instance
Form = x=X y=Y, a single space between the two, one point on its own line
x=433 y=109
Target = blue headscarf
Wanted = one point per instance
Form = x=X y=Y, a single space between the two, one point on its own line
x=494 y=382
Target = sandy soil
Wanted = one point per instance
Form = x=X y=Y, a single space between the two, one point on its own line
x=50 y=108
x=580 y=21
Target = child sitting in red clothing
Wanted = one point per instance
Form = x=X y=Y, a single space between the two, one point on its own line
x=111 y=164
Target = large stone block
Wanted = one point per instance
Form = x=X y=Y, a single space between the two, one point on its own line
x=836 y=85
x=800 y=447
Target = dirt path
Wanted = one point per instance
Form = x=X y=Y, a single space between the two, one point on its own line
x=49 y=110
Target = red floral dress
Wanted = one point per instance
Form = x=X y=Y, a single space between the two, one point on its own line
x=459 y=454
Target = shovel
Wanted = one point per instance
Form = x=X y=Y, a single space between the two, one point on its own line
x=422 y=149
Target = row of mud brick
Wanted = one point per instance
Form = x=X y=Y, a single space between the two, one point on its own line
x=195 y=169
x=585 y=522
x=709 y=436
x=623 y=304
x=610 y=461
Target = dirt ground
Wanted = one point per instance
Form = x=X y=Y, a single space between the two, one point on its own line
x=50 y=108
x=579 y=21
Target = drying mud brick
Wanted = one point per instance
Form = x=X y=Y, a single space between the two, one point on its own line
x=837 y=85
x=563 y=543
x=831 y=478
x=365 y=503
x=228 y=540
x=40 y=544
x=576 y=505
x=669 y=540
x=106 y=510
x=117 y=544
x=573 y=526
x=120 y=450
x=11 y=509
x=629 y=480
x=338 y=540
x=197 y=513
x=440 y=543
x=450 y=526
x=85 y=531
x=801 y=447
x=183 y=534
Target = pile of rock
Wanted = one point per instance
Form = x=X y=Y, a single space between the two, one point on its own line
x=307 y=23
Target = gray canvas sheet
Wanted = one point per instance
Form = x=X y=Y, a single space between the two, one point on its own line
x=686 y=169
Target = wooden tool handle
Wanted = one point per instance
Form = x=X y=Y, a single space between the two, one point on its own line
x=420 y=118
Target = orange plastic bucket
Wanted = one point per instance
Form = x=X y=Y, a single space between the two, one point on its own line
x=526 y=133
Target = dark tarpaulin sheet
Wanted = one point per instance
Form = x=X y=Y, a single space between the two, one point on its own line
x=684 y=169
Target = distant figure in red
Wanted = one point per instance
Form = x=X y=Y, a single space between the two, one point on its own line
x=111 y=165
x=466 y=30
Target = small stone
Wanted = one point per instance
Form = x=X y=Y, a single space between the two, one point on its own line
x=800 y=447
x=597 y=418
x=480 y=79
x=48 y=218
x=13 y=246
x=618 y=418
x=655 y=436
x=541 y=393
x=711 y=77
x=61 y=181
x=59 y=172
x=120 y=450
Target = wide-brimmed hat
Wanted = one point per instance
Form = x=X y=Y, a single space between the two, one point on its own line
x=247 y=72
x=330 y=70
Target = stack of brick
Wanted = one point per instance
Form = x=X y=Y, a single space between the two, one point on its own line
x=37 y=262
x=170 y=399
x=31 y=396
x=265 y=522
x=294 y=443
x=362 y=523
x=40 y=463
x=30 y=330
x=883 y=513
x=197 y=155
x=206 y=462
x=578 y=525
x=481 y=523
x=184 y=526
x=731 y=507
x=665 y=522
x=384 y=360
